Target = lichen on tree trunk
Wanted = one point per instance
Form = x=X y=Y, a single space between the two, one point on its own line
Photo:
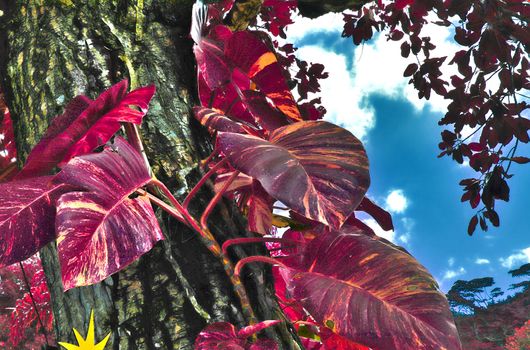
x=55 y=50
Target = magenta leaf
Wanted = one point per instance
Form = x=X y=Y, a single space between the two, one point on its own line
x=223 y=335
x=216 y=121
x=228 y=63
x=371 y=293
x=250 y=330
x=242 y=182
x=259 y=210
x=104 y=227
x=212 y=64
x=254 y=58
x=27 y=217
x=256 y=199
x=85 y=125
x=314 y=167
x=219 y=335
x=267 y=116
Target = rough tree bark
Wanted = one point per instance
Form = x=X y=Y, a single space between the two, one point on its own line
x=52 y=51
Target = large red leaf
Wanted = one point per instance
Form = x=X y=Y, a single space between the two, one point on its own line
x=223 y=335
x=85 y=125
x=371 y=293
x=27 y=213
x=228 y=63
x=314 y=167
x=254 y=58
x=103 y=228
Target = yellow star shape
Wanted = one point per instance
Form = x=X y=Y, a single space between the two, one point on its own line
x=88 y=343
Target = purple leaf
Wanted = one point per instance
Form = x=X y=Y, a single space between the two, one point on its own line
x=259 y=210
x=85 y=125
x=371 y=293
x=314 y=167
x=267 y=116
x=27 y=217
x=103 y=228
x=219 y=335
x=223 y=335
x=253 y=57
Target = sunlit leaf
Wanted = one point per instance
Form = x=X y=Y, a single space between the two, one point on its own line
x=27 y=217
x=252 y=56
x=85 y=125
x=104 y=227
x=316 y=168
x=266 y=115
x=228 y=64
x=388 y=300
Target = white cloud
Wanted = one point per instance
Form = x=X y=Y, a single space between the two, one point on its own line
x=451 y=261
x=408 y=225
x=340 y=96
x=404 y=238
x=377 y=69
x=481 y=261
x=450 y=274
x=518 y=258
x=396 y=201
x=302 y=26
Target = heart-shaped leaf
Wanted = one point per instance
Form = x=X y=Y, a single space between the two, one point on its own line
x=103 y=228
x=227 y=65
x=316 y=168
x=223 y=335
x=371 y=293
x=85 y=125
x=254 y=58
x=27 y=217
x=226 y=98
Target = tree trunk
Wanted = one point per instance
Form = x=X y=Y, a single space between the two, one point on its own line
x=51 y=51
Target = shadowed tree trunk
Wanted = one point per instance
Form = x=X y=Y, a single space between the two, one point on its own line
x=52 y=51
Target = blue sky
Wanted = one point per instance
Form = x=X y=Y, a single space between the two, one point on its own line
x=367 y=94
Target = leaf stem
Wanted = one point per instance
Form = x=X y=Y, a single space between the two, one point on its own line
x=201 y=182
x=163 y=205
x=257 y=258
x=213 y=246
x=248 y=240
x=205 y=162
x=135 y=139
x=185 y=214
x=216 y=199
